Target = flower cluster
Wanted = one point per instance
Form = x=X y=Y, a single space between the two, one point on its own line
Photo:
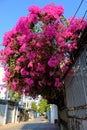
x=37 y=50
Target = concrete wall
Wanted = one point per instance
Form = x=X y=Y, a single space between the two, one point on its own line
x=77 y=124
x=8 y=112
x=3 y=113
x=76 y=93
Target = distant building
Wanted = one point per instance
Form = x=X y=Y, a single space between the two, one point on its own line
x=3 y=92
x=26 y=101
x=1 y=75
x=3 y=89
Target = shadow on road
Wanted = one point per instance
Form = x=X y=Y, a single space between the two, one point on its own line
x=40 y=126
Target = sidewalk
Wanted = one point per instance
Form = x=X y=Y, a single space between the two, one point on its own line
x=16 y=124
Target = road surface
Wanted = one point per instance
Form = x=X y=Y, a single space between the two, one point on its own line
x=35 y=124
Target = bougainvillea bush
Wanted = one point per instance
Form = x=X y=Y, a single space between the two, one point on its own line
x=37 y=50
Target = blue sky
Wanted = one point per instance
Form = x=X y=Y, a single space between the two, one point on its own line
x=12 y=10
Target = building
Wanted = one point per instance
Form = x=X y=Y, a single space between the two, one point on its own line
x=3 y=89
x=26 y=101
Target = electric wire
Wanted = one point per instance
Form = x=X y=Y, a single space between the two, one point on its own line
x=77 y=10
x=85 y=14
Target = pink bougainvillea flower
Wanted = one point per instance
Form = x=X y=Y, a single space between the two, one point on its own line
x=24 y=72
x=27 y=88
x=29 y=81
x=30 y=64
x=57 y=82
x=34 y=9
x=53 y=62
x=51 y=73
x=37 y=50
x=53 y=10
x=18 y=68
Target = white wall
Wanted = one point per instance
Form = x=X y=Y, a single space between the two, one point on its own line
x=54 y=113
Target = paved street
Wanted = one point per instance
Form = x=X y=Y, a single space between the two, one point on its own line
x=36 y=124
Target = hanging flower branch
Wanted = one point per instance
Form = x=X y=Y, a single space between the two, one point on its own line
x=37 y=50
